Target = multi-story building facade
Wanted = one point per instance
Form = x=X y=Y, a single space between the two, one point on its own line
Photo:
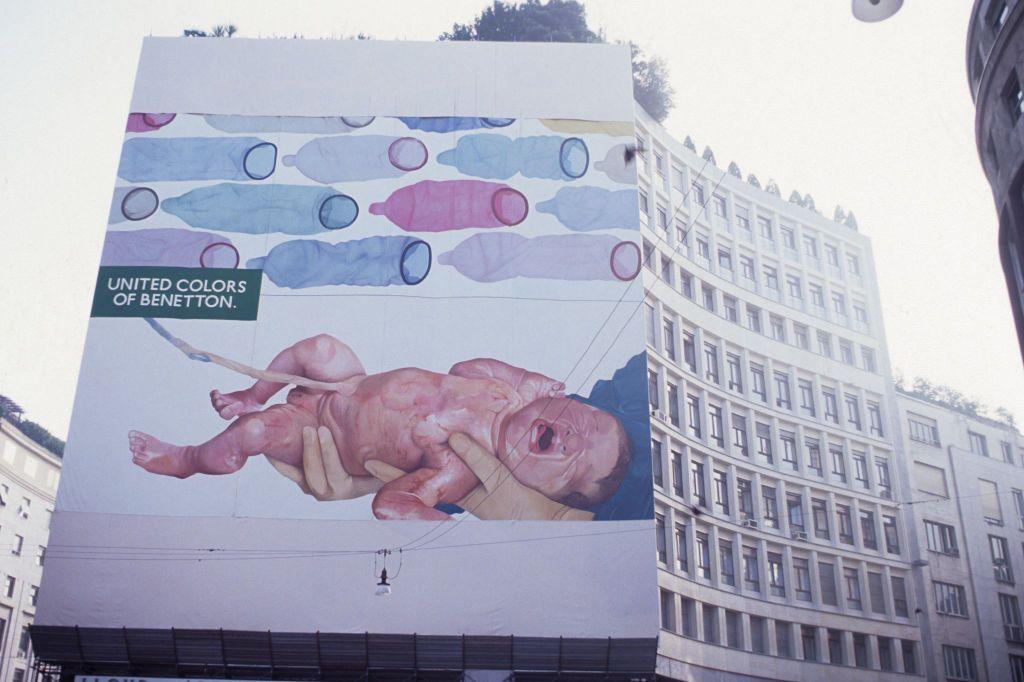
x=995 y=69
x=28 y=485
x=780 y=543
x=967 y=511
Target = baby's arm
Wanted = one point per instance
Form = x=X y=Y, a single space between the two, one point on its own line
x=529 y=385
x=413 y=496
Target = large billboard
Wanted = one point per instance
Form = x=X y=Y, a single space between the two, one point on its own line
x=365 y=306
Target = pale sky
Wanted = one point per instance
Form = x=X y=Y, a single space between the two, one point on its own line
x=875 y=117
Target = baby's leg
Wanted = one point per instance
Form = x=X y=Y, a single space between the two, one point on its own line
x=275 y=432
x=413 y=496
x=321 y=358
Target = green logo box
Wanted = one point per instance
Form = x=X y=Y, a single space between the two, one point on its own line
x=182 y=293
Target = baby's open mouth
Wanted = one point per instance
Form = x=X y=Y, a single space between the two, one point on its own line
x=541 y=437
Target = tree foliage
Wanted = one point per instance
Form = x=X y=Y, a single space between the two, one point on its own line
x=947 y=396
x=11 y=411
x=566 y=21
x=218 y=31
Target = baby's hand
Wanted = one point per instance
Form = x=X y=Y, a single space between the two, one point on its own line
x=535 y=386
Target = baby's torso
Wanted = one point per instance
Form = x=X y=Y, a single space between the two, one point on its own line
x=404 y=417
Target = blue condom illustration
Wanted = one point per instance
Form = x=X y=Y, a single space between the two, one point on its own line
x=374 y=261
x=259 y=209
x=363 y=157
x=132 y=203
x=593 y=208
x=487 y=155
x=447 y=124
x=287 y=124
x=196 y=158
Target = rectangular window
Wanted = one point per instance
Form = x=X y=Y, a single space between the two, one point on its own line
x=715 y=427
x=1010 y=609
x=844 y=522
x=24 y=642
x=795 y=511
x=778 y=327
x=931 y=480
x=959 y=663
x=806 y=390
x=703 y=248
x=892 y=536
x=867 y=358
x=730 y=308
x=751 y=573
x=678 y=178
x=697 y=484
x=673 y=404
x=813 y=455
x=718 y=202
x=711 y=362
x=759 y=635
x=697 y=190
x=653 y=391
x=725 y=259
x=838 y=462
x=801 y=336
x=689 y=352
x=909 y=649
x=770 y=506
x=689 y=609
x=661 y=541
x=651 y=324
x=941 y=538
x=776 y=578
x=809 y=643
x=794 y=287
x=886 y=661
x=732 y=362
x=710 y=615
x=851 y=578
x=782 y=396
x=764 y=441
x=725 y=563
x=950 y=600
x=771 y=277
x=875 y=419
x=739 y=434
x=899 y=596
x=860 y=469
x=659 y=479
x=1007 y=450
x=668 y=328
x=720 y=481
x=662 y=218
x=876 y=592
x=860 y=650
x=1000 y=559
x=825 y=344
x=745 y=498
x=765 y=226
x=923 y=430
x=682 y=556
x=784 y=639
x=677 y=473
x=828 y=399
x=703 y=556
x=827 y=581
x=988 y=493
x=846 y=352
x=645 y=203
x=819 y=510
x=802 y=579
x=979 y=446
x=788 y=237
x=853 y=264
x=668 y=608
x=789 y=449
x=693 y=414
x=747 y=267
x=852 y=410
x=707 y=297
x=754 y=318
x=743 y=217
x=867 y=529
x=19 y=542
x=9 y=585
x=733 y=630
x=835 y=647
x=757 y=382
x=839 y=304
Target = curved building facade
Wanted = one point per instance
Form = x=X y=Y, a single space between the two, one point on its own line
x=995 y=69
x=781 y=549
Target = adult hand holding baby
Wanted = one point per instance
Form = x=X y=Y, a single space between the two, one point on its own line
x=499 y=497
x=322 y=474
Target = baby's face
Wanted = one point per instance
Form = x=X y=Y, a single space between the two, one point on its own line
x=559 y=445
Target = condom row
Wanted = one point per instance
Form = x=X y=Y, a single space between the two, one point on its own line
x=171 y=247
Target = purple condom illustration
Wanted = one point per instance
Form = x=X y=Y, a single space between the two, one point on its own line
x=170 y=247
x=438 y=206
x=143 y=123
x=497 y=256
x=364 y=157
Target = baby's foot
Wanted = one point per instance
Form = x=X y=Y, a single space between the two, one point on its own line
x=159 y=457
x=230 y=405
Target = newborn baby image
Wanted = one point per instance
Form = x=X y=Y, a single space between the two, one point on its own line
x=559 y=446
